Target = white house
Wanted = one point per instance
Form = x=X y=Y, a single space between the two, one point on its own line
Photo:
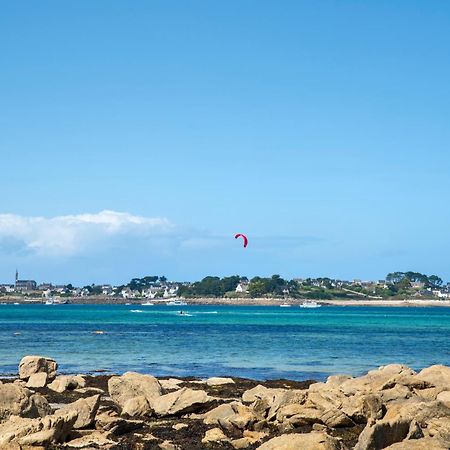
x=127 y=293
x=441 y=294
x=242 y=287
x=107 y=289
x=7 y=288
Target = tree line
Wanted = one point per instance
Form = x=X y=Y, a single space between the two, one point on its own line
x=405 y=279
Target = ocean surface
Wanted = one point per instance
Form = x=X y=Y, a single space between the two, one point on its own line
x=245 y=341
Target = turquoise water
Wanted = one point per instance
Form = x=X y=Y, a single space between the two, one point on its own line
x=254 y=342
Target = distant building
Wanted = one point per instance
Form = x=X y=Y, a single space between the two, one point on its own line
x=441 y=294
x=107 y=289
x=127 y=293
x=6 y=288
x=25 y=285
x=242 y=287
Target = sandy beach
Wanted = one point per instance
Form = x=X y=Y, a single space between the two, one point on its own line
x=235 y=301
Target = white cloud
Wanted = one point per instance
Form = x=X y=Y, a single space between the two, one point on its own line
x=72 y=234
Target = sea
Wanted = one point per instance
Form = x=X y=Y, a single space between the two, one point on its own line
x=258 y=342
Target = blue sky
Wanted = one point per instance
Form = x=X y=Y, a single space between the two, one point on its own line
x=319 y=129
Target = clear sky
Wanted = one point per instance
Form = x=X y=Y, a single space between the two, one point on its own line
x=138 y=137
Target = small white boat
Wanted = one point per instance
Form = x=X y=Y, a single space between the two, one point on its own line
x=127 y=304
x=16 y=303
x=56 y=301
x=147 y=304
x=285 y=305
x=176 y=303
x=310 y=304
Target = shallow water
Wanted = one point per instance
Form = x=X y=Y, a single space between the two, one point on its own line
x=246 y=341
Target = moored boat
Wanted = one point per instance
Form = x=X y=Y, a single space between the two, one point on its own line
x=310 y=304
x=176 y=303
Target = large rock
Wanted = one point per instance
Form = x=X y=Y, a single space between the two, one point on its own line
x=268 y=401
x=419 y=444
x=181 y=402
x=116 y=425
x=67 y=383
x=244 y=417
x=401 y=420
x=299 y=415
x=382 y=434
x=221 y=412
x=85 y=408
x=96 y=439
x=321 y=403
x=384 y=377
x=16 y=400
x=261 y=392
x=35 y=364
x=249 y=438
x=444 y=397
x=219 y=381
x=131 y=385
x=435 y=376
x=395 y=393
x=328 y=402
x=439 y=428
x=37 y=380
x=315 y=440
x=231 y=415
x=43 y=431
x=420 y=411
x=337 y=380
x=137 y=406
x=281 y=398
x=171 y=384
x=214 y=435
x=362 y=408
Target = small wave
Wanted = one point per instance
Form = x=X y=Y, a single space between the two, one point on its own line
x=206 y=312
x=184 y=315
x=136 y=311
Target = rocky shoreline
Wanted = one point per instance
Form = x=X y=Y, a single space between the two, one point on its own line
x=391 y=407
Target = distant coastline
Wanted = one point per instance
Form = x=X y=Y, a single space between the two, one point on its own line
x=244 y=301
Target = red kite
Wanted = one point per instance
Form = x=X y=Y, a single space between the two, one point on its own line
x=244 y=237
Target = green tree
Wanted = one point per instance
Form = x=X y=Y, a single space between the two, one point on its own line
x=395 y=277
x=257 y=287
x=434 y=281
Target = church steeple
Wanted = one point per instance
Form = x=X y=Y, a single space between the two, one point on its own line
x=17 y=278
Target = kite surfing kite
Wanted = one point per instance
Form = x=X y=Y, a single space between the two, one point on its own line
x=244 y=237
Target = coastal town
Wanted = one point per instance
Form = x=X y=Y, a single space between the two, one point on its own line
x=396 y=286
